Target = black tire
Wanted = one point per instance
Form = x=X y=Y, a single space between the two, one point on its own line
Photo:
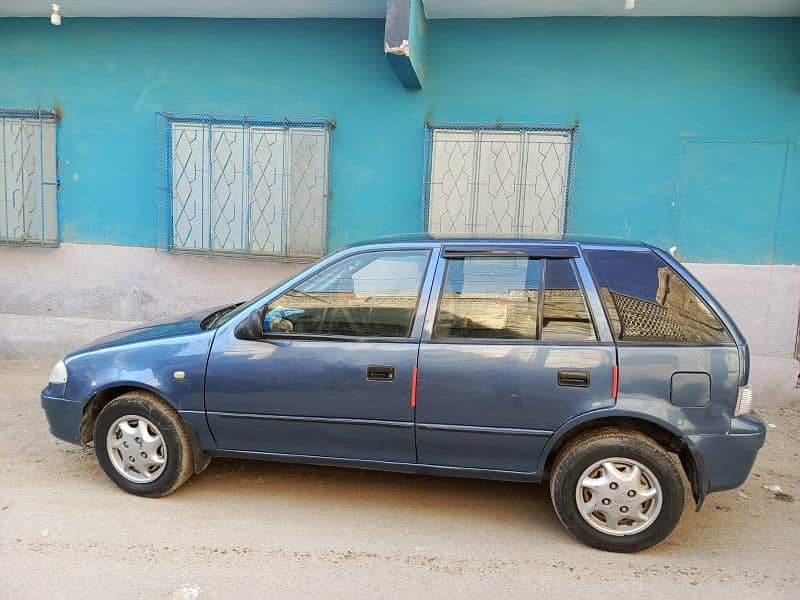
x=179 y=462
x=584 y=452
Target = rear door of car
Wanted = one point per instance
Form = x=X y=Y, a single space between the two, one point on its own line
x=502 y=365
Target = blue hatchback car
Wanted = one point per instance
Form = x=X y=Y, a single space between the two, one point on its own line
x=602 y=366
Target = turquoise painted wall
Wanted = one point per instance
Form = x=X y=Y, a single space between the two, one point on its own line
x=687 y=127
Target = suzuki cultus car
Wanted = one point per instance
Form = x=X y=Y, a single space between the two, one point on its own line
x=602 y=366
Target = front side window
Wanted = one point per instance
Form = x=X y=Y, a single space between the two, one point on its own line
x=28 y=177
x=509 y=181
x=647 y=301
x=374 y=294
x=241 y=186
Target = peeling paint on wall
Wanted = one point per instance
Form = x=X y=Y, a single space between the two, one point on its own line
x=401 y=50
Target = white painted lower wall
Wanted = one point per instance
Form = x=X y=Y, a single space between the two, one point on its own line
x=125 y=282
x=764 y=300
x=86 y=291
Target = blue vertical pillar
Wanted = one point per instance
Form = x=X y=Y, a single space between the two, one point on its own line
x=404 y=41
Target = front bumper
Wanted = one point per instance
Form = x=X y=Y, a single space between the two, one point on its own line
x=728 y=458
x=64 y=417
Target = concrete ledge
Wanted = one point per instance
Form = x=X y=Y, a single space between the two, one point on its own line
x=126 y=283
x=98 y=290
x=26 y=336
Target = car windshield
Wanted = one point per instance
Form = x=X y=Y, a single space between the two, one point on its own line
x=242 y=308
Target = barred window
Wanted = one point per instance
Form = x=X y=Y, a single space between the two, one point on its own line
x=512 y=180
x=245 y=186
x=28 y=177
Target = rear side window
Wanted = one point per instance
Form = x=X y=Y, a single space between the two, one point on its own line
x=647 y=301
x=499 y=298
x=564 y=312
x=490 y=298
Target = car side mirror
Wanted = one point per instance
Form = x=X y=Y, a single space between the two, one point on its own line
x=251 y=328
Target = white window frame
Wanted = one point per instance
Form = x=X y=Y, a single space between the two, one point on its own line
x=510 y=179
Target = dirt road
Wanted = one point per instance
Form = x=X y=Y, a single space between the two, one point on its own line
x=246 y=529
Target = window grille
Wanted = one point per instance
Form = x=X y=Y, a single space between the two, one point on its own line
x=28 y=177
x=498 y=179
x=242 y=187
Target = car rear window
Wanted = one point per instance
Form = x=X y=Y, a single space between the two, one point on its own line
x=646 y=300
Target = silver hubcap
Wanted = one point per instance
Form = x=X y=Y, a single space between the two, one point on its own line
x=136 y=449
x=619 y=496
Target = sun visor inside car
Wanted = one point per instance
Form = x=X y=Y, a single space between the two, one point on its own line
x=544 y=251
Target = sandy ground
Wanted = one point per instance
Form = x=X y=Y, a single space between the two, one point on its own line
x=246 y=529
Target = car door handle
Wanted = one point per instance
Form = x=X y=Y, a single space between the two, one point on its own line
x=573 y=378
x=380 y=372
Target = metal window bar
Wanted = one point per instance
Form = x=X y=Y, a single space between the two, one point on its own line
x=242 y=187
x=29 y=183
x=498 y=178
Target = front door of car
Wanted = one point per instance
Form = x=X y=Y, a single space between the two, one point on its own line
x=332 y=375
x=502 y=364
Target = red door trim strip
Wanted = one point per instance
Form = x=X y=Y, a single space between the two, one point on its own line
x=615 y=382
x=414 y=388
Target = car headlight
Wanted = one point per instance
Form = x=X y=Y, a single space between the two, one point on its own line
x=59 y=373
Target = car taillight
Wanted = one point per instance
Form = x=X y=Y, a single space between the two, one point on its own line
x=744 y=400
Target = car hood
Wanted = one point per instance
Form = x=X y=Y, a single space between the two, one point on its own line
x=176 y=326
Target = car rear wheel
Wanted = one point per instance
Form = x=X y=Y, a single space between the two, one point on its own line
x=617 y=491
x=142 y=444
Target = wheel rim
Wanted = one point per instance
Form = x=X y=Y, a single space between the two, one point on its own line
x=619 y=496
x=136 y=449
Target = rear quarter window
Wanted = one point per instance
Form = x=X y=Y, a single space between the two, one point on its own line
x=647 y=301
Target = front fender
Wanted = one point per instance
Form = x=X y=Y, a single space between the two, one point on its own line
x=153 y=365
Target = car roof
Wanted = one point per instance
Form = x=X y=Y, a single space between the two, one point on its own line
x=582 y=240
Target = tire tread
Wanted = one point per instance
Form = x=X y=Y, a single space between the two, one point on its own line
x=148 y=403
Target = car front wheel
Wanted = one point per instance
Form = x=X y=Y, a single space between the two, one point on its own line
x=142 y=444
x=617 y=491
